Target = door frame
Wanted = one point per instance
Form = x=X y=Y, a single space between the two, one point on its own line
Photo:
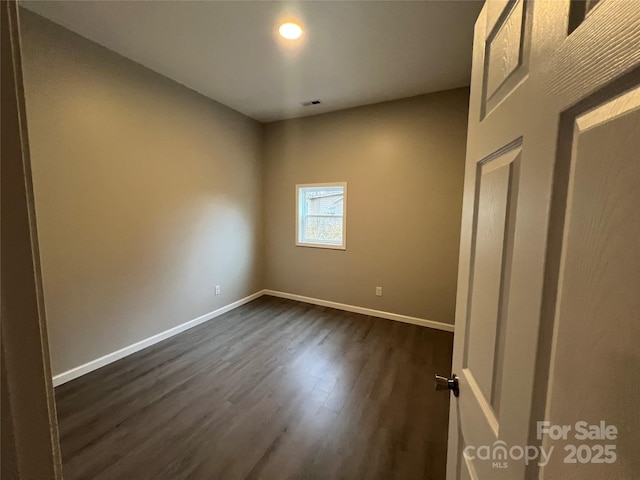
x=30 y=447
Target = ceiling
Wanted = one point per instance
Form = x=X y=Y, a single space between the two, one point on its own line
x=351 y=53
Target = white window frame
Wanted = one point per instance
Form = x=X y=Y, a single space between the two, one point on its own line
x=299 y=220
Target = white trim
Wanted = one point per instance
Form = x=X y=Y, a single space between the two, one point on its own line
x=123 y=352
x=300 y=243
x=365 y=311
x=136 y=347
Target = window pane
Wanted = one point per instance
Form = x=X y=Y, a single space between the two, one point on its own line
x=324 y=229
x=325 y=202
x=321 y=214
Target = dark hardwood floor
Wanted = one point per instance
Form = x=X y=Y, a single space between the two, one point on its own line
x=275 y=389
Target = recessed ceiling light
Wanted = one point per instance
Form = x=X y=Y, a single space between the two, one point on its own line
x=290 y=30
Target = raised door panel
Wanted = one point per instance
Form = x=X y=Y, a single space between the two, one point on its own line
x=506 y=54
x=493 y=232
x=595 y=359
x=494 y=218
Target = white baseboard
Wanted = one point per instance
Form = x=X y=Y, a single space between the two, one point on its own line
x=123 y=352
x=365 y=311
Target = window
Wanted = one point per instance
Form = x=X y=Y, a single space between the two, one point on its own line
x=321 y=214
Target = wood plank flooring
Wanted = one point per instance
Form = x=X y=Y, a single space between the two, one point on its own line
x=275 y=389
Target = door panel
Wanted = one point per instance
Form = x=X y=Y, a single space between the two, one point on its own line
x=506 y=53
x=503 y=48
x=493 y=233
x=597 y=315
x=549 y=261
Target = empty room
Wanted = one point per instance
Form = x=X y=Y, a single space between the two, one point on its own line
x=320 y=240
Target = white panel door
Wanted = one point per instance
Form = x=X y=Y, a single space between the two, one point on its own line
x=548 y=307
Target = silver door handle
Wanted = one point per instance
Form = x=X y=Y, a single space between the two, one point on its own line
x=444 y=383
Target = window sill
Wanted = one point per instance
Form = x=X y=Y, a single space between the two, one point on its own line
x=320 y=245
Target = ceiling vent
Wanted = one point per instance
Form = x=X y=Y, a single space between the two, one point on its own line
x=312 y=102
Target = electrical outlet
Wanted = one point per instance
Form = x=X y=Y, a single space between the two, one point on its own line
x=378 y=291
x=217 y=289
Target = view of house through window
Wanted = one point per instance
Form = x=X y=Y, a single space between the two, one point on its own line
x=321 y=215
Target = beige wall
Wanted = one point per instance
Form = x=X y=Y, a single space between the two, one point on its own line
x=147 y=195
x=404 y=164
